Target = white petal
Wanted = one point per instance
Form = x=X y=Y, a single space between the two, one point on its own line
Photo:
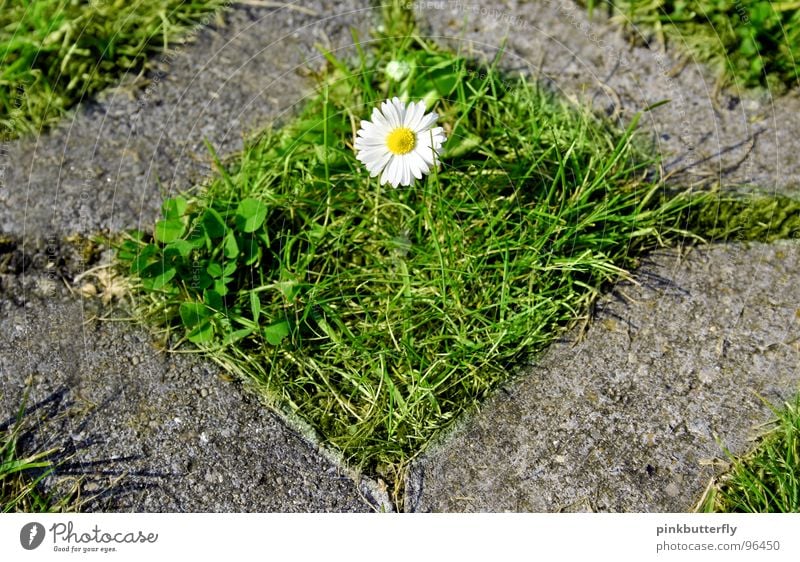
x=438 y=140
x=408 y=113
x=400 y=173
x=363 y=140
x=371 y=144
x=375 y=167
x=427 y=121
x=379 y=119
x=378 y=164
x=408 y=175
x=426 y=153
x=417 y=165
x=386 y=170
x=432 y=138
x=373 y=153
x=372 y=136
x=414 y=114
x=403 y=171
x=392 y=172
x=420 y=114
x=400 y=108
x=387 y=108
x=369 y=127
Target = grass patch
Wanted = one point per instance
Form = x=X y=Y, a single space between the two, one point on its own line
x=22 y=473
x=379 y=315
x=749 y=42
x=53 y=53
x=767 y=479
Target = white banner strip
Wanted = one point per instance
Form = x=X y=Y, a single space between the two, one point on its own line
x=390 y=537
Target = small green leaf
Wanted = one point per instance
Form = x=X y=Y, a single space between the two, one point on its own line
x=214 y=270
x=153 y=270
x=444 y=80
x=129 y=250
x=220 y=285
x=290 y=289
x=236 y=335
x=214 y=224
x=255 y=305
x=157 y=281
x=143 y=259
x=202 y=333
x=192 y=313
x=275 y=333
x=180 y=247
x=174 y=208
x=168 y=230
x=316 y=232
x=330 y=156
x=250 y=214
x=229 y=268
x=199 y=280
x=213 y=299
x=263 y=236
x=231 y=248
x=197 y=237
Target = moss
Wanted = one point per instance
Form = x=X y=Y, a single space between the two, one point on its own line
x=757 y=218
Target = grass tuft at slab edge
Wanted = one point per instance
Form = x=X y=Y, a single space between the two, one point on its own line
x=21 y=473
x=379 y=315
x=54 y=53
x=752 y=43
x=766 y=479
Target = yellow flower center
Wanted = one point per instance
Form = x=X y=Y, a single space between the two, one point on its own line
x=401 y=141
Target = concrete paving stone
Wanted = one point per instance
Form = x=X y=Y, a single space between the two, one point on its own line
x=110 y=163
x=625 y=418
x=735 y=137
x=151 y=431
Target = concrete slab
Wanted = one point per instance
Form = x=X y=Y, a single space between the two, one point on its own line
x=110 y=163
x=624 y=419
x=733 y=137
x=151 y=431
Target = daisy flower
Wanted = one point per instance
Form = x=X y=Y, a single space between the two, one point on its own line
x=400 y=141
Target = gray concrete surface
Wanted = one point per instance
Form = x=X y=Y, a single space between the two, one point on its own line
x=734 y=137
x=623 y=419
x=148 y=430
x=101 y=167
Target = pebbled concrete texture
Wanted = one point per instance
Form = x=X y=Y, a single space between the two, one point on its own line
x=151 y=431
x=111 y=162
x=734 y=137
x=625 y=418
